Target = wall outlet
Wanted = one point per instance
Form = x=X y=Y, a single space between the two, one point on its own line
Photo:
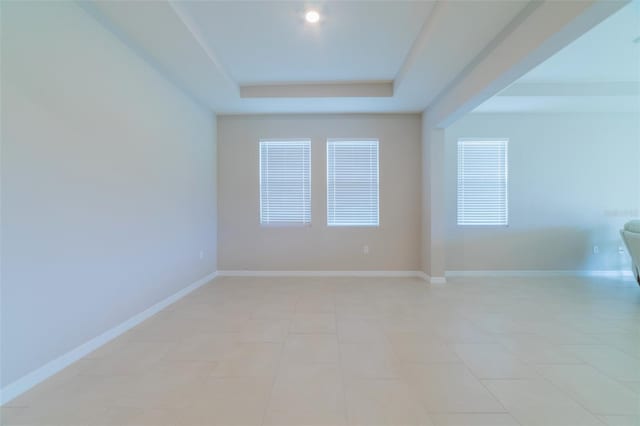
x=621 y=250
x=201 y=254
x=365 y=249
x=596 y=249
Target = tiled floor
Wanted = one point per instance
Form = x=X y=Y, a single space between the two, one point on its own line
x=363 y=351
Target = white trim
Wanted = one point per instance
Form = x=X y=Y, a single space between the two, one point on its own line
x=423 y=275
x=29 y=380
x=438 y=280
x=416 y=274
x=610 y=273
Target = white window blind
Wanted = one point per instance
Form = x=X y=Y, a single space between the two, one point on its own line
x=285 y=182
x=352 y=183
x=482 y=182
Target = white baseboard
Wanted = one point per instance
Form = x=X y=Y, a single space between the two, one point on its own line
x=424 y=276
x=398 y=274
x=609 y=274
x=430 y=279
x=29 y=380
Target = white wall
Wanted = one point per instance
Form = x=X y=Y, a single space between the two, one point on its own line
x=574 y=179
x=108 y=184
x=425 y=194
x=433 y=212
x=244 y=244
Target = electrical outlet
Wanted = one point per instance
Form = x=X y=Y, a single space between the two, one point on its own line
x=596 y=249
x=201 y=254
x=365 y=249
x=621 y=250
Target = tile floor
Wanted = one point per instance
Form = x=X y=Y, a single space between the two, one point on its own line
x=363 y=351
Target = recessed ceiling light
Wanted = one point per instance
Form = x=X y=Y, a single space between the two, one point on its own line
x=312 y=16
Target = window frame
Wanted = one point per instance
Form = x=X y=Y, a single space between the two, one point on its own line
x=365 y=140
x=506 y=142
x=260 y=189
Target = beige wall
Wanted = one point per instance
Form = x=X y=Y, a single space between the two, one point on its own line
x=108 y=184
x=574 y=179
x=246 y=245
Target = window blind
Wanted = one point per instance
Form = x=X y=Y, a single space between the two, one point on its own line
x=482 y=182
x=285 y=182
x=352 y=183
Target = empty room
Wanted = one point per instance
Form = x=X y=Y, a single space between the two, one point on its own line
x=320 y=213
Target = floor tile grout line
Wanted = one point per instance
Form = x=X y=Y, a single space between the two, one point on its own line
x=559 y=389
x=345 y=400
x=572 y=396
x=489 y=391
x=276 y=375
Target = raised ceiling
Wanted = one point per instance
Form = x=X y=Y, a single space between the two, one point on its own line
x=260 y=42
x=389 y=56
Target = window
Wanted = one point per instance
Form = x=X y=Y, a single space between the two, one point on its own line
x=482 y=182
x=352 y=183
x=285 y=182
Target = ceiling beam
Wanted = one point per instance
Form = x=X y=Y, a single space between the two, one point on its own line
x=542 y=33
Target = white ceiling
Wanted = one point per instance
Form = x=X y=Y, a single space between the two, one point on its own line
x=601 y=70
x=260 y=42
x=212 y=49
x=606 y=53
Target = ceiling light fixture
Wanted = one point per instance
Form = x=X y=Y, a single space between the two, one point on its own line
x=312 y=16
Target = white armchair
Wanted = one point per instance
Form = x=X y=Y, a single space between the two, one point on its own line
x=631 y=237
